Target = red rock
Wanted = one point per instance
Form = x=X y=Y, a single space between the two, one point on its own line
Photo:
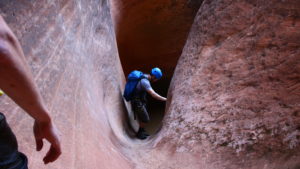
x=233 y=102
x=71 y=48
x=235 y=92
x=152 y=33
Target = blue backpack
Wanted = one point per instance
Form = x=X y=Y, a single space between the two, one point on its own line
x=132 y=80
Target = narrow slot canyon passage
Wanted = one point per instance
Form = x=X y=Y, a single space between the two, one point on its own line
x=156 y=108
x=231 y=73
x=152 y=35
x=230 y=104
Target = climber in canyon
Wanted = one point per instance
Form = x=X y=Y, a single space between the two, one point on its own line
x=138 y=96
x=17 y=82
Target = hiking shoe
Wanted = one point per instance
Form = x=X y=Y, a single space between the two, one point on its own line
x=144 y=132
x=141 y=134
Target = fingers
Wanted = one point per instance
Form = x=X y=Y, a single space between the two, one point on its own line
x=55 y=150
x=48 y=132
x=39 y=144
x=53 y=153
x=38 y=138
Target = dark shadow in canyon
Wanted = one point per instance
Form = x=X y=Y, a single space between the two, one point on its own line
x=156 y=108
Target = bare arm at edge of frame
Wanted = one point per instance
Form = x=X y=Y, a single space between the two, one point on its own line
x=17 y=82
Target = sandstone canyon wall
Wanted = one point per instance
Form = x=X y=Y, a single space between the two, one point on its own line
x=71 y=48
x=234 y=98
x=235 y=95
x=152 y=33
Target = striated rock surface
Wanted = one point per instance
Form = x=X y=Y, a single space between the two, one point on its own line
x=235 y=95
x=71 y=48
x=233 y=102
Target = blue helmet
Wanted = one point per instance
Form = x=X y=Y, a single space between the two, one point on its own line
x=156 y=72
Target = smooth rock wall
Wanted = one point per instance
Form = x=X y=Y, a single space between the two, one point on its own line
x=71 y=48
x=152 y=33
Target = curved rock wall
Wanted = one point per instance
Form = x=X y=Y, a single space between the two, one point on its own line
x=233 y=102
x=235 y=95
x=71 y=48
x=152 y=33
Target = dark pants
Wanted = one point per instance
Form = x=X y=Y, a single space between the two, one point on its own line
x=139 y=109
x=10 y=158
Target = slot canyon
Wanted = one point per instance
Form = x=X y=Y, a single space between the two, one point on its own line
x=231 y=75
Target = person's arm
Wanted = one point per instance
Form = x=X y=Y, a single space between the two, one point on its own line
x=17 y=82
x=155 y=95
x=145 y=83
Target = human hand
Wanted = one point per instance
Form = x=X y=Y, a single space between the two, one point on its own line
x=46 y=130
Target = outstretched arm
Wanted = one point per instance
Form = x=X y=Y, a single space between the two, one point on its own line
x=17 y=82
x=155 y=95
